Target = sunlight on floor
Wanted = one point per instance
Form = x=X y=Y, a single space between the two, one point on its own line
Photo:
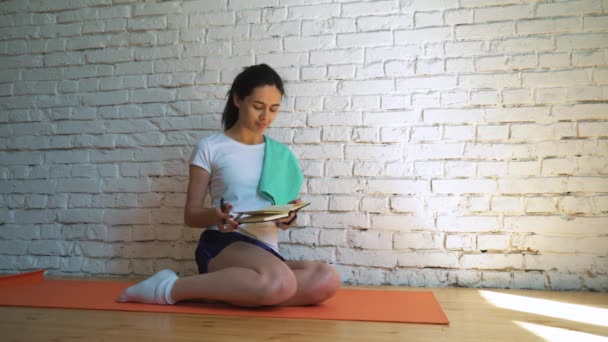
x=550 y=308
x=559 y=334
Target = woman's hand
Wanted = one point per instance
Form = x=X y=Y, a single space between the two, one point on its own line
x=288 y=222
x=225 y=220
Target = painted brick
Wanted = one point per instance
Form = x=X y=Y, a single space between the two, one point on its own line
x=423 y=34
x=457 y=186
x=575 y=205
x=306 y=236
x=416 y=277
x=432 y=151
x=492 y=242
x=581 y=41
x=528 y=280
x=340 y=220
x=301 y=252
x=507 y=204
x=405 y=223
x=370 y=152
x=367 y=9
x=385 y=22
x=484 y=31
x=406 y=204
x=48 y=247
x=314 y=12
x=561 y=262
x=308 y=151
x=596 y=283
x=365 y=87
x=492 y=261
x=554 y=224
x=431 y=82
x=595 y=23
x=297 y=44
x=343 y=203
x=345 y=40
x=370 y=240
x=559 y=25
x=468 y=224
x=428 y=259
x=362 y=275
x=517 y=45
x=336 y=134
x=374 y=54
x=418 y=241
x=367 y=258
x=508 y=12
x=327 y=26
x=367 y=168
x=334 y=237
x=570 y=8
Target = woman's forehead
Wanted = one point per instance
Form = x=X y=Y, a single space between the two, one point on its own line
x=266 y=93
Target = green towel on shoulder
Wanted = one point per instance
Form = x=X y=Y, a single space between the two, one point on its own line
x=281 y=177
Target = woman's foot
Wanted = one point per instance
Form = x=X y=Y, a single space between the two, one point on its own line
x=154 y=290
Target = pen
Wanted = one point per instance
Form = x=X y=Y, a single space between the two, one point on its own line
x=223 y=207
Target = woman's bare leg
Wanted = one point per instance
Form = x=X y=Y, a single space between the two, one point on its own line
x=247 y=275
x=317 y=282
x=242 y=274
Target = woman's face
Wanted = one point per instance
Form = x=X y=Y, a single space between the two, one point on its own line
x=258 y=110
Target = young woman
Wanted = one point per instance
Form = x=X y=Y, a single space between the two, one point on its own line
x=240 y=264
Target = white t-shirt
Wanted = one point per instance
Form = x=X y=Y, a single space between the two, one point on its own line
x=235 y=170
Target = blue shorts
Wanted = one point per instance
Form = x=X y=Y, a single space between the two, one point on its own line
x=212 y=242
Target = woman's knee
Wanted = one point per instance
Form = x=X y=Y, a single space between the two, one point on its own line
x=327 y=283
x=276 y=285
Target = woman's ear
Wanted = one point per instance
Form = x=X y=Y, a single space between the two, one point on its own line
x=236 y=101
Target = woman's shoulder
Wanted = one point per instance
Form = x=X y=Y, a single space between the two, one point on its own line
x=210 y=140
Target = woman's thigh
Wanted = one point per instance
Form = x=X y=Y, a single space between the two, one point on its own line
x=255 y=276
x=246 y=255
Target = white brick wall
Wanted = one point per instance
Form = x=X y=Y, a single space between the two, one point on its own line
x=444 y=142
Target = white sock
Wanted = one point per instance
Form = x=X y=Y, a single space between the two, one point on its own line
x=154 y=290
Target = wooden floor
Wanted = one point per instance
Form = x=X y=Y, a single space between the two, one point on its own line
x=475 y=315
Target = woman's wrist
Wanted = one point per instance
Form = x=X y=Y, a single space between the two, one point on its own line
x=293 y=220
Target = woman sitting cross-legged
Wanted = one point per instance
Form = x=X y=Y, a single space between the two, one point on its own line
x=239 y=263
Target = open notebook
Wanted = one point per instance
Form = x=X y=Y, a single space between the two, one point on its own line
x=270 y=213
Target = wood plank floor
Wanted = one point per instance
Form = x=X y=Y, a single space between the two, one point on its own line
x=475 y=315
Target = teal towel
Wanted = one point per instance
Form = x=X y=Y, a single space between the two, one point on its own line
x=281 y=177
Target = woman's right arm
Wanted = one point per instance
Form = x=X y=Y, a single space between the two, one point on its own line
x=195 y=213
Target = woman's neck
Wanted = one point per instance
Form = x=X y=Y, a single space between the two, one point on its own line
x=244 y=136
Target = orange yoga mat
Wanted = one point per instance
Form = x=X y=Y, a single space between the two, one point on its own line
x=33 y=290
